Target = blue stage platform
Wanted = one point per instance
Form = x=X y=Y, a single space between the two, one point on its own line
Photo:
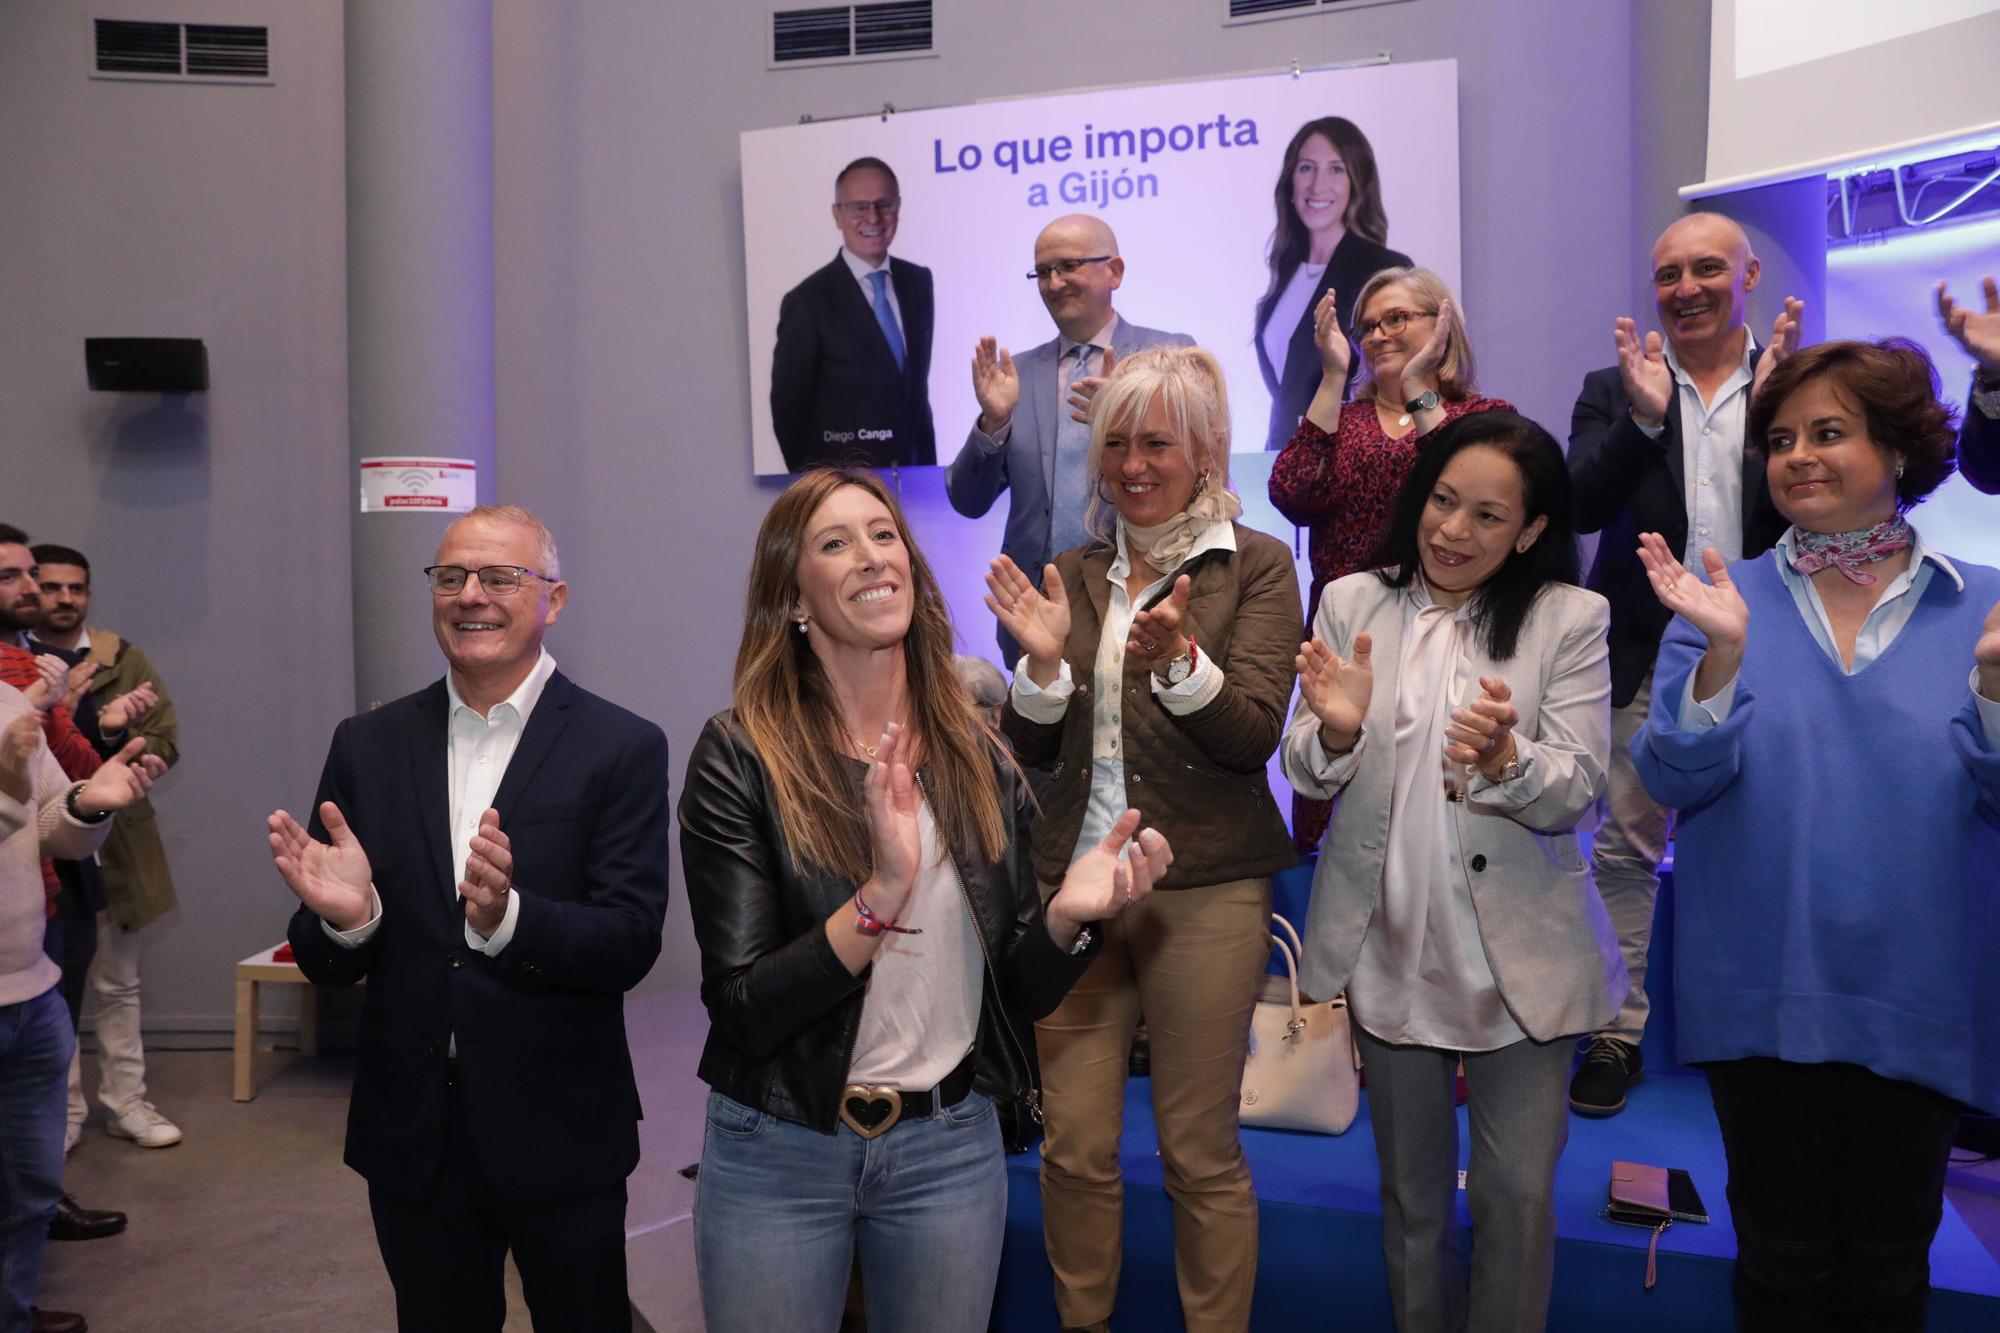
x=1321 y=1222
x=1320 y=1264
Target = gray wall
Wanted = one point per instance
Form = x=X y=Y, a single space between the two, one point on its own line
x=216 y=524
x=621 y=381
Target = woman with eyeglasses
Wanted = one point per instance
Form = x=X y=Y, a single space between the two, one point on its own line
x=1156 y=670
x=1340 y=474
x=1330 y=237
x=873 y=942
x=1457 y=701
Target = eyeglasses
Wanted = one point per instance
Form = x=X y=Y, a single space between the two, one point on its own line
x=498 y=580
x=1064 y=267
x=861 y=208
x=1391 y=322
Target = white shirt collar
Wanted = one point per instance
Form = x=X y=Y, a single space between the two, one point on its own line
x=860 y=267
x=1748 y=369
x=1101 y=338
x=522 y=700
x=1787 y=547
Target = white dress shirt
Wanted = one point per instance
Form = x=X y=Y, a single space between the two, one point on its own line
x=1107 y=716
x=1286 y=313
x=1712 y=457
x=477 y=752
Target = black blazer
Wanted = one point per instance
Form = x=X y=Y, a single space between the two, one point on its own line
x=1355 y=260
x=1625 y=484
x=1979 y=450
x=836 y=395
x=544 y=1074
x=783 y=1009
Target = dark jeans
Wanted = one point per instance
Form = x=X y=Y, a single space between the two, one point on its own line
x=1836 y=1183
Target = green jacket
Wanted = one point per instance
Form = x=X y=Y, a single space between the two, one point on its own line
x=138 y=887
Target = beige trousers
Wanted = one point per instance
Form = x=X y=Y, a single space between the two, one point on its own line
x=1188 y=960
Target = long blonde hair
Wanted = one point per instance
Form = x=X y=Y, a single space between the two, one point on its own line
x=786 y=704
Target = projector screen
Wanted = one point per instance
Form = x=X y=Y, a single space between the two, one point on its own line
x=1183 y=173
x=1806 y=87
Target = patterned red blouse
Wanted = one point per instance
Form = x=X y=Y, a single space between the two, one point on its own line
x=1341 y=486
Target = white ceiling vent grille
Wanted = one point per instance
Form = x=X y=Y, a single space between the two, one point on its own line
x=1259 y=11
x=849 y=34
x=182 y=52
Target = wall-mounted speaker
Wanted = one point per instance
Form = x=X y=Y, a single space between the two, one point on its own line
x=146 y=365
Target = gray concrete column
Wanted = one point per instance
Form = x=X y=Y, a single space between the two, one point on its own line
x=419 y=299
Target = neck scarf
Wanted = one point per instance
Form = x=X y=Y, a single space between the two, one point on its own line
x=1165 y=545
x=1848 y=551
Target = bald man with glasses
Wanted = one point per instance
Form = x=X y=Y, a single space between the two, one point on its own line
x=1034 y=410
x=850 y=375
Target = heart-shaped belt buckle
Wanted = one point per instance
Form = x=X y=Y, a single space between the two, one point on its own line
x=870 y=1110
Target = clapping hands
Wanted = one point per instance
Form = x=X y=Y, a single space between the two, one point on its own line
x=1038 y=618
x=1337 y=690
x=1098 y=885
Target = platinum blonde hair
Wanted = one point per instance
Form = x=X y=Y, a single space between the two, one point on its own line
x=1187 y=383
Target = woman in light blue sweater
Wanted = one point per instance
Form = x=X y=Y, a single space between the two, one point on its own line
x=1828 y=726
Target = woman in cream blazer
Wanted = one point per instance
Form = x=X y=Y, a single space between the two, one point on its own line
x=1456 y=703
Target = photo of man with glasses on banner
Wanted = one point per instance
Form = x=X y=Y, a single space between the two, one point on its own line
x=851 y=371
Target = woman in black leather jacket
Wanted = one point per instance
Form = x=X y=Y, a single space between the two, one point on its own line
x=874 y=948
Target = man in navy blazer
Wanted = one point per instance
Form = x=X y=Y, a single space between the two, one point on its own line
x=1656 y=445
x=490 y=854
x=1978 y=332
x=1024 y=440
x=850 y=375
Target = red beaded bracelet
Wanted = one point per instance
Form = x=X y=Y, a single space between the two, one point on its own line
x=868 y=923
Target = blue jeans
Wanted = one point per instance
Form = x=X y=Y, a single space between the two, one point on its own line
x=779 y=1210
x=36 y=1043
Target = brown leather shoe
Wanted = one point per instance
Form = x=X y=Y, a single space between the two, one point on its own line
x=58 y=1321
x=73 y=1222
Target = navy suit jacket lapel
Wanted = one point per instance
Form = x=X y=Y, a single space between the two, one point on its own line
x=537 y=739
x=430 y=761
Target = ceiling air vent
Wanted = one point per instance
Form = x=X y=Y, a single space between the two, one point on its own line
x=847 y=34
x=182 y=52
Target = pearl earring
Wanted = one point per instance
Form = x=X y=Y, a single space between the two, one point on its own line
x=801 y=623
x=1899 y=470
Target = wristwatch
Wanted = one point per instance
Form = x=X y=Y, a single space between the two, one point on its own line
x=1180 y=668
x=1423 y=402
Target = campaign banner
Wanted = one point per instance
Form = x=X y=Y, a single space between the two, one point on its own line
x=1217 y=191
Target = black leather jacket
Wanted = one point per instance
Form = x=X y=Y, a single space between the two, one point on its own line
x=783 y=1009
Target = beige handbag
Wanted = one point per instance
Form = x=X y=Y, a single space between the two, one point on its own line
x=1302 y=1071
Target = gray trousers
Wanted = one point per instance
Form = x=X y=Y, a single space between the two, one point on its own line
x=1518 y=1112
x=1625 y=855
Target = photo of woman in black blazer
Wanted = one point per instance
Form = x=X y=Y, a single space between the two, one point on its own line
x=1331 y=233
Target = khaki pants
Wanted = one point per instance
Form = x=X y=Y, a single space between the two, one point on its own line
x=1188 y=960
x=1625 y=855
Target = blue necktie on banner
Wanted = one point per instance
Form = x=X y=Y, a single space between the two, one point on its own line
x=885 y=315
